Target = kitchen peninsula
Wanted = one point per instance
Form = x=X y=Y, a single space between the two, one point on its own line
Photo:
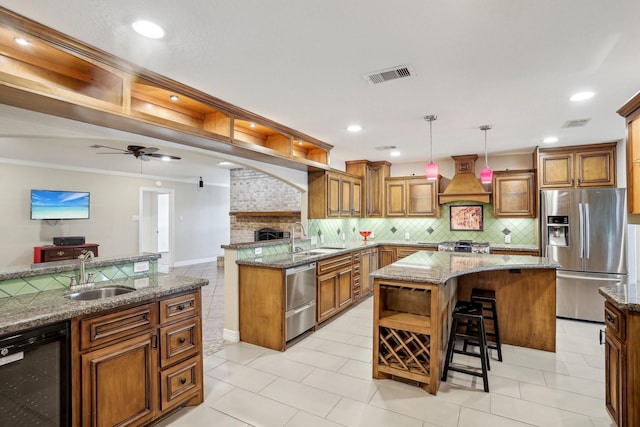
x=414 y=297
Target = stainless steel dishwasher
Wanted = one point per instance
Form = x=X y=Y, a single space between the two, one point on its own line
x=301 y=299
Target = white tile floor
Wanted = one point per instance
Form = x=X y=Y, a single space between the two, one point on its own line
x=325 y=380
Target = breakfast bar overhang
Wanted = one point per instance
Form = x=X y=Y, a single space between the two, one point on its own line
x=414 y=297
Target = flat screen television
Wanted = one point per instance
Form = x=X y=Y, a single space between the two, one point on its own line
x=54 y=204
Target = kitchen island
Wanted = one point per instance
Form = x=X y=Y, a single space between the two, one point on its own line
x=414 y=297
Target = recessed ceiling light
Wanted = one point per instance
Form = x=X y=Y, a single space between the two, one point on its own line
x=148 y=29
x=581 y=96
x=394 y=153
x=354 y=128
x=174 y=97
x=21 y=41
x=550 y=140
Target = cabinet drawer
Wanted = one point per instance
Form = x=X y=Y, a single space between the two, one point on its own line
x=102 y=329
x=614 y=321
x=81 y=251
x=180 y=307
x=180 y=383
x=335 y=263
x=179 y=341
x=57 y=254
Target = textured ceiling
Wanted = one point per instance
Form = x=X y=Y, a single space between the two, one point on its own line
x=510 y=64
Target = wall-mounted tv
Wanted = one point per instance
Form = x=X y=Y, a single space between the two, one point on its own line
x=53 y=204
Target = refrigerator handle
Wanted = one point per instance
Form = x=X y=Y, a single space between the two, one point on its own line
x=587 y=232
x=581 y=230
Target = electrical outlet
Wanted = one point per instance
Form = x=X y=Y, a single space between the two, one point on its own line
x=322 y=239
x=507 y=238
x=407 y=236
x=257 y=251
x=314 y=240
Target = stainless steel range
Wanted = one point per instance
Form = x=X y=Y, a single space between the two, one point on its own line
x=468 y=246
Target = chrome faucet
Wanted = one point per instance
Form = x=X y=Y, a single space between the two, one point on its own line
x=293 y=236
x=82 y=279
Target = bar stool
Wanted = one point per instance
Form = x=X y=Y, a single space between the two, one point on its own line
x=484 y=297
x=468 y=315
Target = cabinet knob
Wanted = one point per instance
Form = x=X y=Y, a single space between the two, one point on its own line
x=181 y=307
x=182 y=340
x=60 y=253
x=611 y=319
x=183 y=380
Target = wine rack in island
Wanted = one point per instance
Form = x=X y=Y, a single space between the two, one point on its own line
x=408 y=336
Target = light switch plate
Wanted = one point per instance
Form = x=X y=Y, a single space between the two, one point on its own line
x=139 y=267
x=314 y=240
x=257 y=251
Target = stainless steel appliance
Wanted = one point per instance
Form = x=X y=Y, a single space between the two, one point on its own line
x=584 y=230
x=34 y=377
x=300 y=309
x=468 y=246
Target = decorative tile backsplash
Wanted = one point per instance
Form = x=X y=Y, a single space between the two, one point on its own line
x=47 y=282
x=521 y=230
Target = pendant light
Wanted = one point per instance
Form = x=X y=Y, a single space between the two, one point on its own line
x=486 y=175
x=431 y=170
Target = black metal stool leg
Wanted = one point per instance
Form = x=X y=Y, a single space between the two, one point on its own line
x=450 y=344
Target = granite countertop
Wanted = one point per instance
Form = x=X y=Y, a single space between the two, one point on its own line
x=626 y=297
x=286 y=260
x=360 y=243
x=438 y=267
x=42 y=308
x=18 y=271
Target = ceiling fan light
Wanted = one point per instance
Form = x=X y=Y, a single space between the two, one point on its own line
x=431 y=170
x=486 y=176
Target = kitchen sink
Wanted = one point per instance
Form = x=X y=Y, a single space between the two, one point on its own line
x=321 y=251
x=99 y=293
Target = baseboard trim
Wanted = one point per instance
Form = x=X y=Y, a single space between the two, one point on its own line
x=195 y=261
x=229 y=335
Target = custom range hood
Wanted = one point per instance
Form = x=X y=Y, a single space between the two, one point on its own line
x=465 y=186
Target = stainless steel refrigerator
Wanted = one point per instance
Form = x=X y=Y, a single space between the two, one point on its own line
x=585 y=231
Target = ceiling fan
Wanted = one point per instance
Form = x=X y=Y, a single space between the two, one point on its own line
x=139 y=152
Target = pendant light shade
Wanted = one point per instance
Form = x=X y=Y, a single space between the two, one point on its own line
x=431 y=170
x=486 y=175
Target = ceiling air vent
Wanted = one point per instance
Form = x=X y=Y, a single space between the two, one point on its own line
x=386 y=147
x=394 y=73
x=575 y=123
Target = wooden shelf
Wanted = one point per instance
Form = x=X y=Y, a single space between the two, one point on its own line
x=407 y=321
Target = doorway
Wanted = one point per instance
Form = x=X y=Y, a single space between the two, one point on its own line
x=156 y=224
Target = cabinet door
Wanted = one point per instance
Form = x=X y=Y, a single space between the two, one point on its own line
x=615 y=378
x=386 y=256
x=119 y=383
x=514 y=195
x=356 y=198
x=596 y=168
x=633 y=167
x=396 y=198
x=333 y=195
x=556 y=170
x=327 y=296
x=422 y=197
x=344 y=280
x=365 y=269
x=375 y=190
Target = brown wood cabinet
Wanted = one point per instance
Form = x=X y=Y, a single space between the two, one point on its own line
x=390 y=254
x=412 y=197
x=514 y=194
x=373 y=185
x=334 y=194
x=62 y=253
x=579 y=166
x=335 y=285
x=368 y=263
x=513 y=252
x=622 y=365
x=133 y=365
x=631 y=112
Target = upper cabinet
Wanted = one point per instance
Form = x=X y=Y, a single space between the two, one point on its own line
x=631 y=112
x=58 y=75
x=579 y=166
x=373 y=188
x=334 y=194
x=514 y=194
x=412 y=197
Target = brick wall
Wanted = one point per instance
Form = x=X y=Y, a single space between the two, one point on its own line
x=253 y=191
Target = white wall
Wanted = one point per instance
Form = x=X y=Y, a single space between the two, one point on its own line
x=201 y=214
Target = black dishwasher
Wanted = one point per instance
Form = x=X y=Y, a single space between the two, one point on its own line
x=35 y=377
